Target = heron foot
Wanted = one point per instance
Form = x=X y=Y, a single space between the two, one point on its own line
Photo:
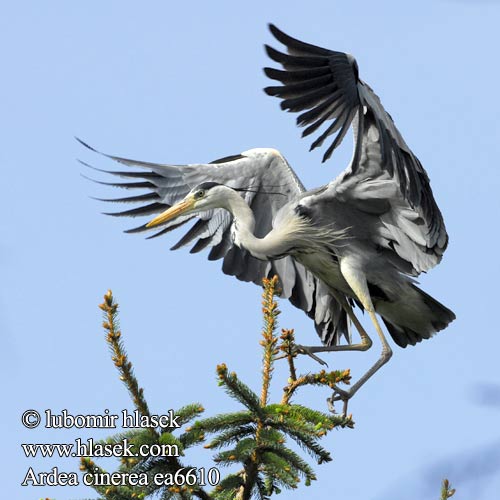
x=302 y=349
x=339 y=395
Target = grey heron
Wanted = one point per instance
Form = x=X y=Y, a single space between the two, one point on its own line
x=359 y=240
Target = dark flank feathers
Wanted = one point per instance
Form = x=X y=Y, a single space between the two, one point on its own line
x=437 y=315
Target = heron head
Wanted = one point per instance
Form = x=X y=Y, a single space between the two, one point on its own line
x=204 y=196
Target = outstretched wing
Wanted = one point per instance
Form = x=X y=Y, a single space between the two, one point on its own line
x=266 y=182
x=384 y=178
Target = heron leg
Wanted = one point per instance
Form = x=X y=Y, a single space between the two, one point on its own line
x=357 y=281
x=343 y=395
x=366 y=341
x=364 y=345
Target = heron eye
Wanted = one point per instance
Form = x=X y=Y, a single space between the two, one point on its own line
x=199 y=194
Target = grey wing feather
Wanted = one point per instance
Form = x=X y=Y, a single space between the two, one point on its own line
x=271 y=184
x=384 y=178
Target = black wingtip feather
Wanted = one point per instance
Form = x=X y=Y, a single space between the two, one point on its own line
x=296 y=62
x=138 y=229
x=294 y=43
x=88 y=165
x=274 y=54
x=273 y=29
x=273 y=91
x=168 y=229
x=318 y=80
x=152 y=208
x=131 y=199
x=83 y=143
x=273 y=74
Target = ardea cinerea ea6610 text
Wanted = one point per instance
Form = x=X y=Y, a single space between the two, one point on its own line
x=358 y=240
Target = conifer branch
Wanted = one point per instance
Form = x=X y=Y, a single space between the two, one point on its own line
x=328 y=379
x=254 y=437
x=270 y=311
x=287 y=346
x=223 y=421
x=237 y=389
x=119 y=355
x=446 y=490
x=231 y=436
x=148 y=465
x=269 y=341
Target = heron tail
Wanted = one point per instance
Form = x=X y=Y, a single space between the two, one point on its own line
x=414 y=316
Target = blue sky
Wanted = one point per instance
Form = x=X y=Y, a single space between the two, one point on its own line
x=182 y=83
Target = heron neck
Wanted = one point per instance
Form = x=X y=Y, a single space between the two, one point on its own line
x=244 y=227
x=244 y=219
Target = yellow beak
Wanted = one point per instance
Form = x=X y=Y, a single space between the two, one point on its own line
x=172 y=212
